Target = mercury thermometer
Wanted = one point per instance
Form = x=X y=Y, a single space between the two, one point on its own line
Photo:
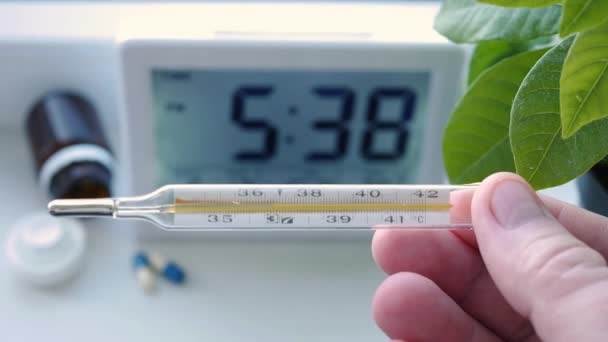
x=284 y=207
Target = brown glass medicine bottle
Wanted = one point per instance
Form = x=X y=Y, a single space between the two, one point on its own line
x=71 y=154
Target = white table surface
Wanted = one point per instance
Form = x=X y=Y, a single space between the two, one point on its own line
x=237 y=289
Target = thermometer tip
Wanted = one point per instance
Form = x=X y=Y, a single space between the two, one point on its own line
x=82 y=207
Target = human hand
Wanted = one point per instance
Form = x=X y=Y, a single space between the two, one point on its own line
x=533 y=269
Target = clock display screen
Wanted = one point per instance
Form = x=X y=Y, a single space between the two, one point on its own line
x=307 y=126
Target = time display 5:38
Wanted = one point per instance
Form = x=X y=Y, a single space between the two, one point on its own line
x=339 y=126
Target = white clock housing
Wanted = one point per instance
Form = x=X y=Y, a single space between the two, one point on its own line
x=229 y=93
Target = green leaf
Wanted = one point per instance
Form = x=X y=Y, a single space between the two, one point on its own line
x=521 y=3
x=467 y=21
x=581 y=15
x=491 y=52
x=476 y=139
x=541 y=156
x=584 y=83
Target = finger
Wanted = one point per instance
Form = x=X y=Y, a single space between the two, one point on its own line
x=410 y=307
x=586 y=226
x=457 y=269
x=438 y=255
x=543 y=271
x=590 y=228
x=461 y=213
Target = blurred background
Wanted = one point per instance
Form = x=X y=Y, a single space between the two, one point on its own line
x=117 y=98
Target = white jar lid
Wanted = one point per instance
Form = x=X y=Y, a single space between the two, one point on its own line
x=45 y=250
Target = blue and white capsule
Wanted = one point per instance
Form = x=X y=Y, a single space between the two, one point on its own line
x=144 y=272
x=167 y=268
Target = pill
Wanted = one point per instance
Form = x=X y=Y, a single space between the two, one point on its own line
x=169 y=269
x=146 y=278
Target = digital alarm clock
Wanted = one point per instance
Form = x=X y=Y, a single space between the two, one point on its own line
x=270 y=93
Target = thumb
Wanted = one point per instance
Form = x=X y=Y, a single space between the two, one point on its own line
x=542 y=270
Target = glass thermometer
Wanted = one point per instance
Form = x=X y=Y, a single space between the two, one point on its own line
x=284 y=207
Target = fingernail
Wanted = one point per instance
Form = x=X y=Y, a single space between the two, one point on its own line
x=514 y=204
